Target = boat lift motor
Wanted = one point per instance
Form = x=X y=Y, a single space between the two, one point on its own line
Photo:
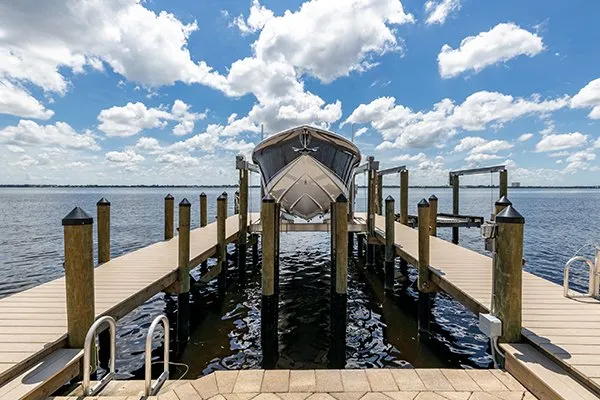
x=488 y=231
x=594 y=274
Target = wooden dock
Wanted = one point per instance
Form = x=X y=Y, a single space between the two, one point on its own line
x=33 y=323
x=557 y=330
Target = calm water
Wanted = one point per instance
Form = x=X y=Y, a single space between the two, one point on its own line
x=382 y=331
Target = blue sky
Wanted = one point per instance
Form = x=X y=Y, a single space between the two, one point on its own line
x=159 y=92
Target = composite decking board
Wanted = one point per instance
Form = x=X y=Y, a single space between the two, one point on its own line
x=121 y=285
x=548 y=317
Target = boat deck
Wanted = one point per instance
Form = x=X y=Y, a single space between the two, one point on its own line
x=33 y=323
x=564 y=329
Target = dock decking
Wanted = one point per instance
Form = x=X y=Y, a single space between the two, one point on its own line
x=564 y=329
x=33 y=323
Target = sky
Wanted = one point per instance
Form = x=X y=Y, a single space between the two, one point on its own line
x=170 y=91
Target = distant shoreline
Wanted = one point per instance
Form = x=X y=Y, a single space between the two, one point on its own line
x=24 y=186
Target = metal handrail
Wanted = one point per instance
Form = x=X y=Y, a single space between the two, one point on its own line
x=87 y=348
x=592 y=289
x=150 y=389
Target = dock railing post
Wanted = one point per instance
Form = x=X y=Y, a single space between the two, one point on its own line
x=243 y=219
x=423 y=278
x=183 y=294
x=404 y=212
x=203 y=222
x=221 y=242
x=169 y=216
x=268 y=299
x=508 y=271
x=371 y=210
x=390 y=250
x=79 y=275
x=455 y=205
x=103 y=229
x=503 y=183
x=379 y=194
x=433 y=211
x=339 y=294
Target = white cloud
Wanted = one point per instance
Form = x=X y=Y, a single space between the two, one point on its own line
x=402 y=127
x=178 y=159
x=580 y=161
x=151 y=48
x=128 y=157
x=597 y=143
x=15 y=149
x=29 y=133
x=479 y=157
x=422 y=161
x=469 y=143
x=589 y=97
x=25 y=161
x=361 y=131
x=149 y=144
x=500 y=44
x=258 y=17
x=525 y=137
x=438 y=10
x=493 y=146
x=480 y=149
x=181 y=112
x=15 y=100
x=557 y=142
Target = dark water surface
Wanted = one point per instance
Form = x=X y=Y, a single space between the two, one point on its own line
x=382 y=331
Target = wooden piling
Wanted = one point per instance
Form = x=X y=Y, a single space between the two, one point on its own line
x=79 y=275
x=339 y=294
x=169 y=216
x=424 y=283
x=203 y=222
x=183 y=294
x=404 y=197
x=371 y=210
x=455 y=205
x=103 y=230
x=379 y=194
x=508 y=271
x=221 y=242
x=503 y=183
x=433 y=212
x=269 y=316
x=390 y=250
x=242 y=240
x=254 y=250
x=360 y=245
x=277 y=248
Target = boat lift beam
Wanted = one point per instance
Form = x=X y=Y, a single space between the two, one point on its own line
x=393 y=170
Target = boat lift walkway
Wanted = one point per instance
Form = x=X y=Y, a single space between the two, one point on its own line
x=564 y=330
x=33 y=323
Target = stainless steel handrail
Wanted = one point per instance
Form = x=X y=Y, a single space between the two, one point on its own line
x=150 y=389
x=87 y=348
x=592 y=291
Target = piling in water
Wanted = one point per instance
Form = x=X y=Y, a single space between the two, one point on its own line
x=339 y=294
x=424 y=283
x=242 y=238
x=433 y=211
x=183 y=277
x=404 y=197
x=503 y=179
x=169 y=216
x=203 y=222
x=269 y=317
x=455 y=205
x=221 y=243
x=103 y=229
x=390 y=250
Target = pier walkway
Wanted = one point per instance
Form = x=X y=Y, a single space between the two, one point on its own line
x=565 y=330
x=33 y=323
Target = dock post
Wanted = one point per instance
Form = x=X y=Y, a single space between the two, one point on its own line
x=339 y=298
x=103 y=231
x=455 y=205
x=221 y=243
x=360 y=245
x=390 y=250
x=424 y=284
x=503 y=180
x=433 y=211
x=380 y=194
x=333 y=217
x=508 y=270
x=255 y=250
x=169 y=216
x=371 y=210
x=242 y=239
x=183 y=294
x=203 y=222
x=79 y=275
x=351 y=219
x=268 y=315
x=404 y=212
x=501 y=204
x=277 y=240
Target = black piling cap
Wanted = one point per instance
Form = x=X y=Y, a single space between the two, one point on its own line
x=388 y=199
x=222 y=197
x=423 y=203
x=509 y=216
x=169 y=197
x=503 y=201
x=224 y=194
x=341 y=198
x=202 y=194
x=268 y=198
x=185 y=203
x=433 y=197
x=77 y=217
x=237 y=192
x=103 y=202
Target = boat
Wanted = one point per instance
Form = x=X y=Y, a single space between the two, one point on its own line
x=306 y=168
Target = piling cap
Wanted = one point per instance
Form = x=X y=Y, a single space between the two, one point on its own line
x=169 y=197
x=185 y=203
x=237 y=192
x=77 y=217
x=222 y=197
x=103 y=202
x=202 y=194
x=341 y=198
x=433 y=197
x=423 y=203
x=268 y=198
x=509 y=216
x=503 y=201
x=224 y=194
x=388 y=199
